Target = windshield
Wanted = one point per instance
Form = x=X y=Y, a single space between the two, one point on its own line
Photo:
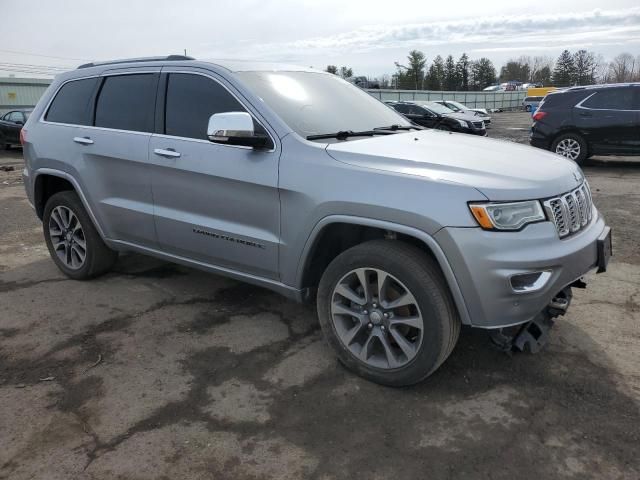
x=317 y=103
x=458 y=105
x=436 y=107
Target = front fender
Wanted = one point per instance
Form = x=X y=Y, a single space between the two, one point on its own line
x=425 y=238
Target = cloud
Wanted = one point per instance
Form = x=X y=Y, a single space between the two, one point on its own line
x=545 y=30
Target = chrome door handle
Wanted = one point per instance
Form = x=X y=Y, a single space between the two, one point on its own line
x=83 y=140
x=169 y=152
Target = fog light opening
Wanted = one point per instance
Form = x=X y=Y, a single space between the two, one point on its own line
x=529 y=281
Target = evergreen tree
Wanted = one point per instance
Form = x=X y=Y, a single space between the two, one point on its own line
x=564 y=72
x=450 y=74
x=435 y=78
x=332 y=69
x=346 y=72
x=585 y=68
x=543 y=75
x=483 y=74
x=462 y=72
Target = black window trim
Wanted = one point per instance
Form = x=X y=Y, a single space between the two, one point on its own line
x=583 y=107
x=94 y=99
x=162 y=99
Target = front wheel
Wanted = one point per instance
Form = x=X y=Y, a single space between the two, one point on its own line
x=384 y=308
x=74 y=243
x=571 y=146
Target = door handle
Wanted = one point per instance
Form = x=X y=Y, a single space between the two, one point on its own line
x=83 y=140
x=169 y=152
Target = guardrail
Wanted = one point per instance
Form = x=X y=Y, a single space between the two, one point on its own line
x=502 y=100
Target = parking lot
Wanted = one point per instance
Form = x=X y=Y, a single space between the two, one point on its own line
x=159 y=371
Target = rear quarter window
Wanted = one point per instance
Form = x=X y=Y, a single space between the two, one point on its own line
x=611 y=99
x=71 y=103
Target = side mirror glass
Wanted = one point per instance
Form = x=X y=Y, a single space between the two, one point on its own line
x=235 y=128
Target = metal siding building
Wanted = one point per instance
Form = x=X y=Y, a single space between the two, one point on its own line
x=18 y=93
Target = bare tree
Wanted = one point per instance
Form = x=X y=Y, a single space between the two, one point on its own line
x=602 y=70
x=622 y=68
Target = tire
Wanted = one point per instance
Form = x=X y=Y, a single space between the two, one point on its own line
x=406 y=267
x=444 y=128
x=571 y=146
x=76 y=229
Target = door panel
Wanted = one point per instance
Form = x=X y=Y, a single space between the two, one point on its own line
x=115 y=156
x=607 y=120
x=116 y=176
x=217 y=204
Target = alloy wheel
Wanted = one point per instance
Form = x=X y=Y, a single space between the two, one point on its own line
x=67 y=237
x=568 y=147
x=377 y=318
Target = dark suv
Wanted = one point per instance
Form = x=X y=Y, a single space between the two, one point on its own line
x=584 y=121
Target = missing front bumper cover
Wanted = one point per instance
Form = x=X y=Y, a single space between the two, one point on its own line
x=534 y=335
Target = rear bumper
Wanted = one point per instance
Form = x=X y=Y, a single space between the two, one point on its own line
x=539 y=137
x=484 y=262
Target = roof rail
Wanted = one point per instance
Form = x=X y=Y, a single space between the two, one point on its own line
x=134 y=60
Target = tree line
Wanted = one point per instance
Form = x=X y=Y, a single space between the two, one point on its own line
x=464 y=74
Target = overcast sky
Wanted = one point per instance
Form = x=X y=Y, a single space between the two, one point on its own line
x=366 y=35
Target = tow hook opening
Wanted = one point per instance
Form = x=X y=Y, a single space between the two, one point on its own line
x=533 y=336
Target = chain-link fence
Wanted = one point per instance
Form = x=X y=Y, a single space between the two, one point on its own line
x=497 y=100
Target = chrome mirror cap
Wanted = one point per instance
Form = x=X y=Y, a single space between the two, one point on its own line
x=225 y=126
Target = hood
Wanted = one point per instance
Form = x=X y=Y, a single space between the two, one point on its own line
x=502 y=171
x=464 y=115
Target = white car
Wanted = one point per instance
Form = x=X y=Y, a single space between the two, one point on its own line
x=459 y=107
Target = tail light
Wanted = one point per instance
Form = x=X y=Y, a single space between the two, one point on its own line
x=23 y=137
x=539 y=116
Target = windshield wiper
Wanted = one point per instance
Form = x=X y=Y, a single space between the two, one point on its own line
x=343 y=135
x=394 y=128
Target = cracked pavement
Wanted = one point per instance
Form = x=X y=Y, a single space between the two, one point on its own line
x=157 y=371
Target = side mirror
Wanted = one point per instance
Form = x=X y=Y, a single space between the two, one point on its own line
x=235 y=128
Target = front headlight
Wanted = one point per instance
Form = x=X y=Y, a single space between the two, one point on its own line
x=507 y=216
x=463 y=123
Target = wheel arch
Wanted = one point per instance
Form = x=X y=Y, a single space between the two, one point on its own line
x=48 y=181
x=350 y=231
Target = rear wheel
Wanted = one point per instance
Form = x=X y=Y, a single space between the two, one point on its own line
x=73 y=242
x=571 y=146
x=385 y=309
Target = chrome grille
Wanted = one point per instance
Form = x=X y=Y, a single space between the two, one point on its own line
x=572 y=211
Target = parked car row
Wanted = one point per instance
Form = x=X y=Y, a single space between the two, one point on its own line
x=583 y=121
x=440 y=116
x=10 y=125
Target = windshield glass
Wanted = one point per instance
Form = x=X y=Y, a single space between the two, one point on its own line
x=436 y=107
x=316 y=103
x=458 y=105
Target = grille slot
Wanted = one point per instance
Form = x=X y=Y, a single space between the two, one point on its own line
x=572 y=211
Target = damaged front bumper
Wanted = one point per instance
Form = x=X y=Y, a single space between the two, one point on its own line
x=533 y=336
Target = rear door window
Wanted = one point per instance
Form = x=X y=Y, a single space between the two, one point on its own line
x=71 y=104
x=127 y=102
x=611 y=99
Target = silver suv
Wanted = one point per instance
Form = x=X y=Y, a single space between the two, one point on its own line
x=297 y=181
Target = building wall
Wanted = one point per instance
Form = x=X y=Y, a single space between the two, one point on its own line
x=18 y=93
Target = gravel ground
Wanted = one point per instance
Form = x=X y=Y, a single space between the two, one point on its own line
x=156 y=371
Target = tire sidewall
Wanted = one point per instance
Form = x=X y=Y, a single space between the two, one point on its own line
x=431 y=306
